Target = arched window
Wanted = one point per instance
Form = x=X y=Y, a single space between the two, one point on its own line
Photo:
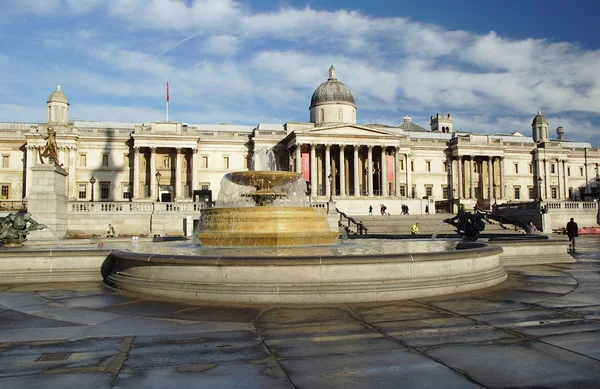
x=321 y=115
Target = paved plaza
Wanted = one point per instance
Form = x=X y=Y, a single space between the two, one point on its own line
x=539 y=329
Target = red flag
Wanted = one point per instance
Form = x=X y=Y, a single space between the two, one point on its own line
x=167 y=91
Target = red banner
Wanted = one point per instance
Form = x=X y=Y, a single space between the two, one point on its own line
x=391 y=168
x=306 y=166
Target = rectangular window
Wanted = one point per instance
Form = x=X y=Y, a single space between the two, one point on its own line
x=5 y=191
x=82 y=191
x=82 y=160
x=531 y=192
x=445 y=192
x=412 y=166
x=204 y=163
x=553 y=168
x=401 y=165
x=517 y=192
x=204 y=186
x=569 y=171
x=104 y=190
x=554 y=192
x=126 y=160
x=413 y=191
x=445 y=167
x=402 y=190
x=225 y=162
x=5 y=159
x=516 y=168
x=428 y=190
x=428 y=165
x=571 y=193
x=126 y=191
x=530 y=169
x=581 y=171
x=104 y=160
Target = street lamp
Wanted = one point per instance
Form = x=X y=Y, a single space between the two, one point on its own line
x=92 y=181
x=330 y=187
x=157 y=186
x=539 y=180
x=309 y=190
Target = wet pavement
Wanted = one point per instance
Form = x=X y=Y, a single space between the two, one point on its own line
x=539 y=329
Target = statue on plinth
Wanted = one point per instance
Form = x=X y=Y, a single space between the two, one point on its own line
x=468 y=224
x=50 y=151
x=15 y=227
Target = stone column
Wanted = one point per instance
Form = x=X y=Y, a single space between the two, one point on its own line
x=28 y=173
x=313 y=169
x=153 y=190
x=459 y=178
x=566 y=179
x=546 y=179
x=501 y=173
x=328 y=170
x=298 y=158
x=178 y=188
x=72 y=173
x=135 y=158
x=408 y=176
x=472 y=177
x=384 y=184
x=342 y=172
x=370 y=169
x=356 y=180
x=490 y=178
x=396 y=172
x=558 y=173
x=194 y=163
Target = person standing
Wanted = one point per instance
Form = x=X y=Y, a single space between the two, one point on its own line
x=572 y=232
x=370 y=210
x=426 y=209
x=111 y=231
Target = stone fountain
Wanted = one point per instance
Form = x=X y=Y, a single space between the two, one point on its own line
x=264 y=208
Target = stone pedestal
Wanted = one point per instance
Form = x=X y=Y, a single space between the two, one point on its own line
x=47 y=201
x=332 y=216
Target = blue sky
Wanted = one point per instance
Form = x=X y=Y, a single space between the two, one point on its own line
x=492 y=64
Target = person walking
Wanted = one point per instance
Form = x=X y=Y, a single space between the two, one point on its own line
x=572 y=232
x=370 y=210
x=111 y=231
x=426 y=209
x=414 y=230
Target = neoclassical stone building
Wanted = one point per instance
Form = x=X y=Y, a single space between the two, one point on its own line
x=367 y=163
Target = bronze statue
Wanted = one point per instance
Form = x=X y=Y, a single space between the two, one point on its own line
x=15 y=227
x=50 y=151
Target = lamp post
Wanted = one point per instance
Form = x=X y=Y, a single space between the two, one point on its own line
x=157 y=186
x=92 y=181
x=308 y=190
x=330 y=177
x=539 y=180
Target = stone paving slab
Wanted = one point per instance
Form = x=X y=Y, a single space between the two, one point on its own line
x=540 y=328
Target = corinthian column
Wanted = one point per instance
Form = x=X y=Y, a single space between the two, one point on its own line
x=178 y=189
x=313 y=169
x=328 y=170
x=342 y=172
x=356 y=182
x=384 y=184
x=370 y=169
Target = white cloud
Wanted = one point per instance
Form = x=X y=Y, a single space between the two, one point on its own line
x=225 y=45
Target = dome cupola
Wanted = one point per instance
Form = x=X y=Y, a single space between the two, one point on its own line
x=539 y=128
x=332 y=102
x=57 y=111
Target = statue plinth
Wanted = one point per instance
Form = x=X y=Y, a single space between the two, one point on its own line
x=47 y=201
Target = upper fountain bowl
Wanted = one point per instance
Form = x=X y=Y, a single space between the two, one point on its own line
x=263 y=179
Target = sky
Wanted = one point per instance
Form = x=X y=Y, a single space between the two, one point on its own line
x=492 y=64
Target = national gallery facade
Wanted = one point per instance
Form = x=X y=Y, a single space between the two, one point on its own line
x=338 y=158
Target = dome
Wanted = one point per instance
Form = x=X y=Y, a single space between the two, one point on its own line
x=539 y=119
x=58 y=96
x=332 y=91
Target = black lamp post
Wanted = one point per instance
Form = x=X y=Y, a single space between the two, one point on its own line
x=157 y=186
x=92 y=181
x=539 y=180
x=330 y=177
x=309 y=190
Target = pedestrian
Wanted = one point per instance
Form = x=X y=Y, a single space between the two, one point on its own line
x=426 y=209
x=414 y=230
x=370 y=210
x=407 y=210
x=111 y=231
x=572 y=232
x=531 y=229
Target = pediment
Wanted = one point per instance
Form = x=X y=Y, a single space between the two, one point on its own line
x=349 y=130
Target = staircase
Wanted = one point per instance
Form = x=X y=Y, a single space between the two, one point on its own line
x=428 y=225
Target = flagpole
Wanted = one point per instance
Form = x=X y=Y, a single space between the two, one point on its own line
x=167 y=100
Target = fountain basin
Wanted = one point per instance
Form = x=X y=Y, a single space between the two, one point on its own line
x=265 y=226
x=309 y=279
